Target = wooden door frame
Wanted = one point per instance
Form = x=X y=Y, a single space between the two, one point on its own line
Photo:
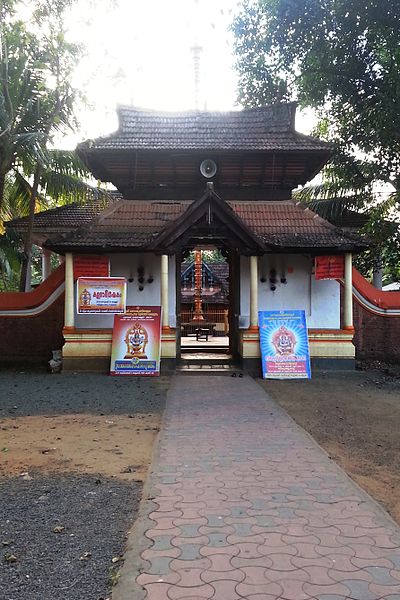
x=234 y=302
x=178 y=303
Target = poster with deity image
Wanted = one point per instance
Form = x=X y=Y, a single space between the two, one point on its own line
x=100 y=295
x=136 y=341
x=284 y=344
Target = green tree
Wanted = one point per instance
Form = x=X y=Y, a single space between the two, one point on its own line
x=36 y=102
x=343 y=60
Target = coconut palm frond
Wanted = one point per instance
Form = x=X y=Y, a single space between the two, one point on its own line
x=67 y=161
x=331 y=199
x=321 y=191
x=17 y=194
x=64 y=188
x=384 y=208
x=334 y=208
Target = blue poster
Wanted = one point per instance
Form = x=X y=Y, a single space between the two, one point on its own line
x=284 y=344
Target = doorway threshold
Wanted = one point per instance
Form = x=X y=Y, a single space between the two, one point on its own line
x=208 y=363
x=205 y=356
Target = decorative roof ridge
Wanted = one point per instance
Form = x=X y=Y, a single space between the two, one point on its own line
x=280 y=116
x=192 y=112
x=209 y=194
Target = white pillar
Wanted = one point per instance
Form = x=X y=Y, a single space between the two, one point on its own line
x=348 y=292
x=69 y=312
x=253 y=291
x=46 y=263
x=164 y=290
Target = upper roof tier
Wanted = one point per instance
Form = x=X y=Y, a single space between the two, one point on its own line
x=255 y=129
x=153 y=153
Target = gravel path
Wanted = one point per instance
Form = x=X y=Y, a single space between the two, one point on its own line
x=94 y=511
x=96 y=514
x=36 y=393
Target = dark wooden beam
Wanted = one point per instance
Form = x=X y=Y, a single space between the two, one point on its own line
x=189 y=193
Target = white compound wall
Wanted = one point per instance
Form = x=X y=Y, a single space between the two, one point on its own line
x=319 y=299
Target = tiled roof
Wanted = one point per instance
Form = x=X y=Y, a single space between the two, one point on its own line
x=134 y=224
x=255 y=129
x=290 y=224
x=126 y=224
x=65 y=218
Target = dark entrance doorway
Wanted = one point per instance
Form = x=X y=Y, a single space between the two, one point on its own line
x=207 y=304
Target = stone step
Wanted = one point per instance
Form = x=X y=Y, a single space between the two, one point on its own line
x=200 y=368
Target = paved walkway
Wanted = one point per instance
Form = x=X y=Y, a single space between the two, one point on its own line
x=246 y=505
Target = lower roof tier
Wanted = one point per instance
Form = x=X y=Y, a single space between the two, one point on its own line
x=129 y=225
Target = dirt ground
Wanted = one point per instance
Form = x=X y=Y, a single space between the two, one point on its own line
x=93 y=436
x=74 y=452
x=117 y=446
x=355 y=417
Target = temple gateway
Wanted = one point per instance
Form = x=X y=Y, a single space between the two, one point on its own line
x=197 y=181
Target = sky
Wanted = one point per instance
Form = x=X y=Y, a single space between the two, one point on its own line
x=139 y=52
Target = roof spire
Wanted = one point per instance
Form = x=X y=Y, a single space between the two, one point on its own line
x=196 y=51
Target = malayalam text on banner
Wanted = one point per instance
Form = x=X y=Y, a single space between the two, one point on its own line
x=284 y=344
x=329 y=267
x=99 y=295
x=136 y=341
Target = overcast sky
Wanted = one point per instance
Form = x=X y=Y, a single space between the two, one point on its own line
x=139 y=52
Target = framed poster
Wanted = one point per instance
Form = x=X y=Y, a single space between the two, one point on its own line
x=136 y=341
x=329 y=267
x=91 y=265
x=284 y=344
x=100 y=295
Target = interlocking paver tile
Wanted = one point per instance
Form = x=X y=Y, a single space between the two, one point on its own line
x=359 y=590
x=197 y=540
x=189 y=551
x=213 y=550
x=220 y=562
x=225 y=589
x=236 y=575
x=268 y=588
x=146 y=578
x=176 y=592
x=292 y=589
x=245 y=506
x=262 y=561
x=149 y=554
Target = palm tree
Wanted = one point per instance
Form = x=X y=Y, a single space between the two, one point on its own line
x=36 y=101
x=64 y=180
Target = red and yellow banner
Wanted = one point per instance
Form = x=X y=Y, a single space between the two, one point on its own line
x=329 y=267
x=96 y=295
x=91 y=265
x=136 y=342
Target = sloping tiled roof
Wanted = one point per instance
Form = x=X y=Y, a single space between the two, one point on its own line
x=65 y=218
x=129 y=224
x=290 y=224
x=126 y=224
x=255 y=129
